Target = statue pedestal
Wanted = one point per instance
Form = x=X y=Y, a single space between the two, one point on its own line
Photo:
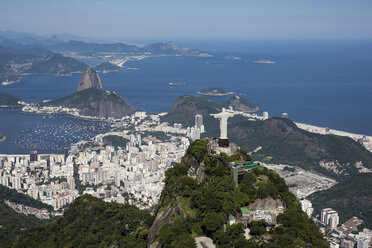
x=223 y=142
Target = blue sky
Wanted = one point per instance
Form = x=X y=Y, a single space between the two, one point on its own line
x=192 y=19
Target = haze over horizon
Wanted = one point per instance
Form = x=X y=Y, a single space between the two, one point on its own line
x=191 y=20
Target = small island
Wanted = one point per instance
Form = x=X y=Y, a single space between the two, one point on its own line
x=214 y=92
x=264 y=61
x=177 y=84
x=232 y=57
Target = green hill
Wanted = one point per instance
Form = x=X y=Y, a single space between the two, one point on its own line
x=199 y=195
x=95 y=102
x=91 y=222
x=55 y=64
x=352 y=196
x=8 y=100
x=240 y=104
x=11 y=222
x=281 y=140
x=186 y=107
x=107 y=67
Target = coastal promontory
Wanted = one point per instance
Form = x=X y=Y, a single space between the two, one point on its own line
x=107 y=67
x=92 y=100
x=95 y=102
x=8 y=100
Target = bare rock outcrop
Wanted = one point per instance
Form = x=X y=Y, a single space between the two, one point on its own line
x=164 y=217
x=89 y=79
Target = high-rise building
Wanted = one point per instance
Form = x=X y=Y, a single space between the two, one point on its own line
x=33 y=156
x=307 y=207
x=364 y=238
x=363 y=242
x=329 y=217
x=334 y=220
x=65 y=153
x=198 y=121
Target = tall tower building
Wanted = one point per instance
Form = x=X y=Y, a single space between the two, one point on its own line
x=65 y=153
x=198 y=121
x=333 y=220
x=33 y=156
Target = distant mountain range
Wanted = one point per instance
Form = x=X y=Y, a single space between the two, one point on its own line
x=32 y=54
x=154 y=49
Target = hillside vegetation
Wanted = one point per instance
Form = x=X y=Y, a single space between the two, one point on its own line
x=55 y=64
x=283 y=142
x=12 y=222
x=8 y=100
x=186 y=107
x=91 y=222
x=199 y=206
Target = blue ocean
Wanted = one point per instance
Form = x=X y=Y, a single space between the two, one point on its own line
x=324 y=83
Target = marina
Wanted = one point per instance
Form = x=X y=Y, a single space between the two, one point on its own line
x=45 y=133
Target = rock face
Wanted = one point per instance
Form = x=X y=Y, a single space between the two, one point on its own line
x=89 y=79
x=163 y=218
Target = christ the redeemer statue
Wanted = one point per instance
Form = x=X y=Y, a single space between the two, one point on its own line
x=223 y=116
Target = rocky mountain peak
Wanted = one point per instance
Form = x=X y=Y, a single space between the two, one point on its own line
x=89 y=79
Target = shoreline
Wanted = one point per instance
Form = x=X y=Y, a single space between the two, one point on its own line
x=307 y=127
x=83 y=117
x=367 y=140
